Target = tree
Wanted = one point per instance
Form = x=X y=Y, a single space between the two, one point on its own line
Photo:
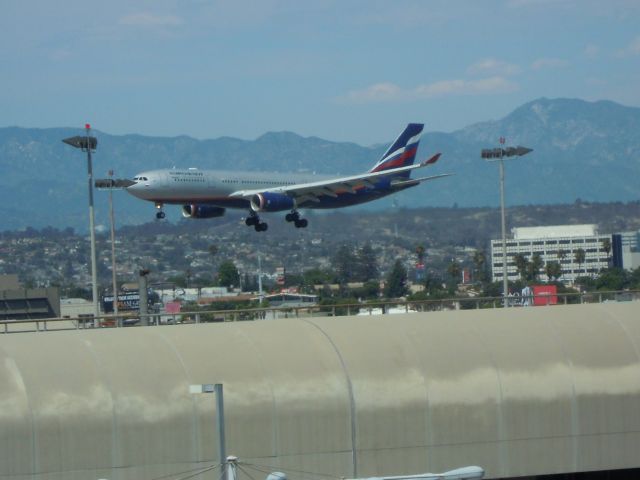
x=396 y=282
x=606 y=246
x=579 y=256
x=345 y=264
x=228 y=274
x=553 y=270
x=521 y=265
x=534 y=266
x=480 y=262
x=453 y=269
x=367 y=264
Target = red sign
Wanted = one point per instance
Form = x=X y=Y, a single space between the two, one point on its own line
x=172 y=307
x=545 y=295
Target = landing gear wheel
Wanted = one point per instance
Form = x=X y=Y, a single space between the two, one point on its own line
x=160 y=215
x=252 y=220
x=301 y=223
x=292 y=217
x=261 y=227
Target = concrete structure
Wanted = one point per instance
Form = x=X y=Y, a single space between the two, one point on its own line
x=549 y=242
x=18 y=303
x=520 y=392
x=627 y=246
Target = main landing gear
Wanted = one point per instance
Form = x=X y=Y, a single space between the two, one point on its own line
x=294 y=217
x=254 y=219
x=159 y=214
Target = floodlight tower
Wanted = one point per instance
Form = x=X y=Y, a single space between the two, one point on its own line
x=498 y=154
x=89 y=144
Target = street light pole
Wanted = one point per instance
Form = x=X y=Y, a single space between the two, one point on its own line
x=505 y=281
x=493 y=154
x=92 y=229
x=114 y=282
x=217 y=388
x=88 y=144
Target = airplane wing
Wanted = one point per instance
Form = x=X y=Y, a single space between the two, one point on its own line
x=312 y=191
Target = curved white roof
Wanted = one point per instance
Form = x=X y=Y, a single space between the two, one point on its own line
x=525 y=391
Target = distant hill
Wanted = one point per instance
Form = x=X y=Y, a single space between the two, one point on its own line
x=582 y=150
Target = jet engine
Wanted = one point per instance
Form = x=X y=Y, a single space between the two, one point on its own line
x=202 y=211
x=271 y=202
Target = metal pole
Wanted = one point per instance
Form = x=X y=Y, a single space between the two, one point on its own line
x=142 y=292
x=114 y=283
x=94 y=272
x=220 y=427
x=260 y=294
x=505 y=281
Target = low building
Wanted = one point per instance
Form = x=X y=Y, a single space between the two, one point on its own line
x=19 y=303
x=558 y=243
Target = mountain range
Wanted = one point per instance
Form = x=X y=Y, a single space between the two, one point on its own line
x=581 y=150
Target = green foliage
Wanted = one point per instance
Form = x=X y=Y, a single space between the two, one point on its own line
x=178 y=280
x=355 y=265
x=344 y=264
x=370 y=290
x=335 y=305
x=521 y=264
x=480 y=264
x=228 y=274
x=553 y=270
x=579 y=256
x=396 y=281
x=533 y=267
x=453 y=269
x=367 y=268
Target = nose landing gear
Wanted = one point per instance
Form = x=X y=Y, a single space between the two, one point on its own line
x=160 y=213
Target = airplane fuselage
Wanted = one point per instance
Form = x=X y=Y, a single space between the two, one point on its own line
x=214 y=187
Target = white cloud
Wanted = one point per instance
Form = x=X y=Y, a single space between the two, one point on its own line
x=632 y=49
x=491 y=66
x=390 y=92
x=148 y=19
x=591 y=50
x=542 y=63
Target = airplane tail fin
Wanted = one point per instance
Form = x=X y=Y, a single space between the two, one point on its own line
x=402 y=152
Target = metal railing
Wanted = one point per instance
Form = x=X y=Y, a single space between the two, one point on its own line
x=385 y=307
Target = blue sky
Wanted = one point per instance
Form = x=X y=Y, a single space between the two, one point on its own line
x=344 y=70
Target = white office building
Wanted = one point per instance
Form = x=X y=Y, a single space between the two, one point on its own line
x=557 y=243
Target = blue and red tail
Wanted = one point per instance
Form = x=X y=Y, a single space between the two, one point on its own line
x=403 y=151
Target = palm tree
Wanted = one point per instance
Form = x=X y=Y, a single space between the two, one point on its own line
x=562 y=254
x=453 y=269
x=534 y=266
x=606 y=246
x=521 y=264
x=480 y=260
x=579 y=256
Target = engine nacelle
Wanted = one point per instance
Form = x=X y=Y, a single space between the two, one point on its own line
x=271 y=202
x=202 y=211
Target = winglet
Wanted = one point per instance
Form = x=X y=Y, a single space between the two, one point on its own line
x=432 y=160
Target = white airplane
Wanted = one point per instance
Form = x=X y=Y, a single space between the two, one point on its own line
x=208 y=193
